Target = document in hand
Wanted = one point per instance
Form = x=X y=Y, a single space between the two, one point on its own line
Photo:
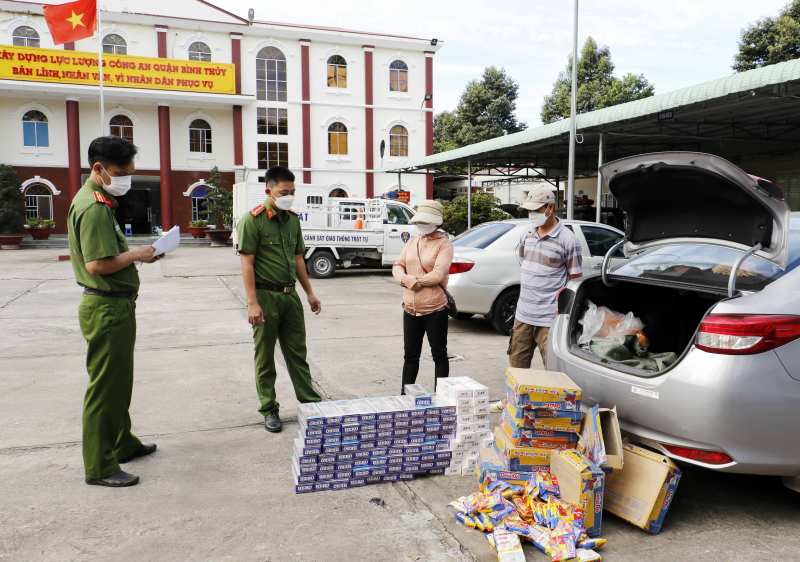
x=168 y=242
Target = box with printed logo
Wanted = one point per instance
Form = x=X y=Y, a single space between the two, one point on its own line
x=383 y=411
x=531 y=388
x=365 y=413
x=581 y=482
x=310 y=415
x=552 y=420
x=421 y=396
x=349 y=414
x=306 y=448
x=330 y=413
x=537 y=438
x=526 y=459
x=491 y=468
x=642 y=491
x=601 y=440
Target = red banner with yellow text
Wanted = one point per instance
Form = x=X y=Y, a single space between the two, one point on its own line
x=119 y=71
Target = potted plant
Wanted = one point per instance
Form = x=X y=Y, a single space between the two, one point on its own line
x=198 y=229
x=40 y=228
x=219 y=209
x=12 y=209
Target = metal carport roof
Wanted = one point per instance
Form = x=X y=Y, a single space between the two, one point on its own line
x=749 y=116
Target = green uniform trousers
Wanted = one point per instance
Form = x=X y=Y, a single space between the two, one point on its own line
x=109 y=326
x=283 y=320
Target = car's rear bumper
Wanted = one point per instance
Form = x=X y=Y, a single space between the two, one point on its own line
x=745 y=406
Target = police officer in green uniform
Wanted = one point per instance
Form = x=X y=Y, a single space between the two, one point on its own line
x=104 y=267
x=271 y=248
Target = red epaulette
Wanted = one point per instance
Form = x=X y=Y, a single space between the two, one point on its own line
x=99 y=198
x=257 y=210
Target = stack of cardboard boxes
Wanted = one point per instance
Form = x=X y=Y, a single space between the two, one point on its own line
x=471 y=400
x=350 y=443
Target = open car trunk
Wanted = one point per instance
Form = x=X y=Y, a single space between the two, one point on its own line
x=671 y=316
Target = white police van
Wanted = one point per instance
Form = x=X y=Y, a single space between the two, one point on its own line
x=331 y=226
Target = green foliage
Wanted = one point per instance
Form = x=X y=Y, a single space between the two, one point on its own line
x=770 y=40
x=219 y=201
x=597 y=86
x=12 y=201
x=485 y=111
x=197 y=224
x=36 y=222
x=484 y=209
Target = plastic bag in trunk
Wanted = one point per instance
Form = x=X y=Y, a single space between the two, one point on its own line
x=603 y=324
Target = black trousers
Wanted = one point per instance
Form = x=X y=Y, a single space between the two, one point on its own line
x=414 y=328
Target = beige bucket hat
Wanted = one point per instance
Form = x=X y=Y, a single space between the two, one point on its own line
x=429 y=211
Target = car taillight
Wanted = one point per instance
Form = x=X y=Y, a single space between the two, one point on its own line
x=707 y=457
x=743 y=334
x=460 y=265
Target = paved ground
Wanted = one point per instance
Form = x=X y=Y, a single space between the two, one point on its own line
x=220 y=487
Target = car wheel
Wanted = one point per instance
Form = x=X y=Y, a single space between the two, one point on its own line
x=321 y=265
x=465 y=315
x=503 y=311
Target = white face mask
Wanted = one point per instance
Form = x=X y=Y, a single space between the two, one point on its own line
x=425 y=228
x=284 y=203
x=538 y=219
x=120 y=185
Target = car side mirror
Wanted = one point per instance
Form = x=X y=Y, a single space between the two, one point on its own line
x=385 y=221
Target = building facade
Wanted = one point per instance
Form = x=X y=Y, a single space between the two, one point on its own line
x=233 y=93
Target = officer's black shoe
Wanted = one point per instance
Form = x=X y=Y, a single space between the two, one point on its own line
x=119 y=480
x=272 y=422
x=140 y=452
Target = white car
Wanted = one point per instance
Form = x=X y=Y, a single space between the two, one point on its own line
x=485 y=274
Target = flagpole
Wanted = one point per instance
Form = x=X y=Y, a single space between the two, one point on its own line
x=100 y=55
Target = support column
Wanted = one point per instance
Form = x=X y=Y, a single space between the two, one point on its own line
x=429 y=119
x=162 y=42
x=236 y=59
x=469 y=194
x=74 y=146
x=370 y=140
x=599 y=197
x=165 y=158
x=305 y=45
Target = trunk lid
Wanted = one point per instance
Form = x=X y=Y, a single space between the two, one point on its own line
x=696 y=198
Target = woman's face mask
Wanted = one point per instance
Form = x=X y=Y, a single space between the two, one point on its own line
x=538 y=219
x=426 y=228
x=120 y=185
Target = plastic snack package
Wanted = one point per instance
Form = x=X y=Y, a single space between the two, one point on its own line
x=507 y=546
x=523 y=508
x=562 y=547
x=466 y=520
x=585 y=555
x=460 y=505
x=587 y=543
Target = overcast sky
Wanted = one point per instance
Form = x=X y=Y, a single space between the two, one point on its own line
x=674 y=43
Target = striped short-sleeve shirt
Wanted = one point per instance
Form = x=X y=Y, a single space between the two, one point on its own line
x=547 y=263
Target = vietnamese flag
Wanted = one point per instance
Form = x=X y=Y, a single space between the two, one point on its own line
x=72 y=21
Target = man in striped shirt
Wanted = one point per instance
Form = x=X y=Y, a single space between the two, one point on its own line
x=550 y=255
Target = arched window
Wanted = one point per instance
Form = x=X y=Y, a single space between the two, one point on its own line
x=200 y=136
x=398 y=76
x=337 y=192
x=115 y=45
x=199 y=51
x=25 y=36
x=398 y=141
x=34 y=129
x=122 y=126
x=199 y=196
x=337 y=72
x=271 y=74
x=38 y=202
x=337 y=139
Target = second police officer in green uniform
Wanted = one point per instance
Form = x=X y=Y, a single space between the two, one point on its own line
x=104 y=267
x=271 y=248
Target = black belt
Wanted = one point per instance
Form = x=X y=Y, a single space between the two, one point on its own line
x=123 y=294
x=275 y=288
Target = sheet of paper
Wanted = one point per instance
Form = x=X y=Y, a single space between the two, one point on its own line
x=168 y=242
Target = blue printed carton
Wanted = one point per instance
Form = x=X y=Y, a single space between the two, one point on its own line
x=642 y=491
x=531 y=388
x=581 y=482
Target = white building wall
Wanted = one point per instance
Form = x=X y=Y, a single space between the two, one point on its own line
x=11 y=141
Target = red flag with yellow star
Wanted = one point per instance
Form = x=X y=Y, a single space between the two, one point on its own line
x=71 y=22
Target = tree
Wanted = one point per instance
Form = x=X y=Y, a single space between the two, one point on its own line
x=770 y=40
x=219 y=201
x=597 y=86
x=484 y=209
x=485 y=111
x=12 y=202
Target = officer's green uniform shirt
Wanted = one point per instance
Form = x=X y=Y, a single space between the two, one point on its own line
x=94 y=234
x=274 y=242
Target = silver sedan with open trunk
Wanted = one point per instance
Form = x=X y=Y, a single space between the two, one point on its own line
x=713 y=276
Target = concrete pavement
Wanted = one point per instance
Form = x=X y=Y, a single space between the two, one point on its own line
x=220 y=487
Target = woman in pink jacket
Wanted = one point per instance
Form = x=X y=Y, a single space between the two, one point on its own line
x=423 y=269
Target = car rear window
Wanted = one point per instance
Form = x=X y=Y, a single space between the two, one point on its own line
x=482 y=235
x=709 y=266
